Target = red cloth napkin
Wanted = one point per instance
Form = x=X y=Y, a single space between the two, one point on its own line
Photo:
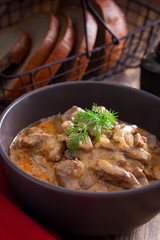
x=14 y=223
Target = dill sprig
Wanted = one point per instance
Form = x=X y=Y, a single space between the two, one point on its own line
x=89 y=123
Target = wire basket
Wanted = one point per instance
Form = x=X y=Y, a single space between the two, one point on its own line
x=143 y=27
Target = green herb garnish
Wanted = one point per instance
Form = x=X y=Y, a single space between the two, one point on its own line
x=89 y=123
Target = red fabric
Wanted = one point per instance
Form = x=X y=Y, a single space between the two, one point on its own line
x=14 y=223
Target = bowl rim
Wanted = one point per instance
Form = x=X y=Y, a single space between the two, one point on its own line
x=79 y=193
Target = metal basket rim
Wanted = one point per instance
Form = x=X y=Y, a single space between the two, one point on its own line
x=32 y=71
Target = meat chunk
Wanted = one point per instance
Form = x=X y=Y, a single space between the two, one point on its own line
x=129 y=138
x=140 y=141
x=141 y=177
x=139 y=154
x=68 y=173
x=69 y=114
x=119 y=159
x=152 y=143
x=57 y=120
x=124 y=136
x=149 y=174
x=30 y=141
x=52 y=148
x=69 y=155
x=83 y=145
x=119 y=137
x=66 y=125
x=93 y=131
x=125 y=127
x=87 y=145
x=157 y=172
x=115 y=175
x=107 y=133
x=86 y=181
x=132 y=164
x=118 y=125
x=48 y=146
x=104 y=142
x=34 y=130
x=130 y=128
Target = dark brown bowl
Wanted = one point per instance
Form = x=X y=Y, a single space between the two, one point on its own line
x=77 y=212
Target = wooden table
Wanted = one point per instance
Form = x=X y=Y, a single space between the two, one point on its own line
x=149 y=231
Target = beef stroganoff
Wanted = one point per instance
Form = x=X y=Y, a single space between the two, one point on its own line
x=88 y=150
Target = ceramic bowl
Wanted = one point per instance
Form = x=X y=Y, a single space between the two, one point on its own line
x=80 y=212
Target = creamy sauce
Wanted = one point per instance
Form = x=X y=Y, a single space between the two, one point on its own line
x=100 y=169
